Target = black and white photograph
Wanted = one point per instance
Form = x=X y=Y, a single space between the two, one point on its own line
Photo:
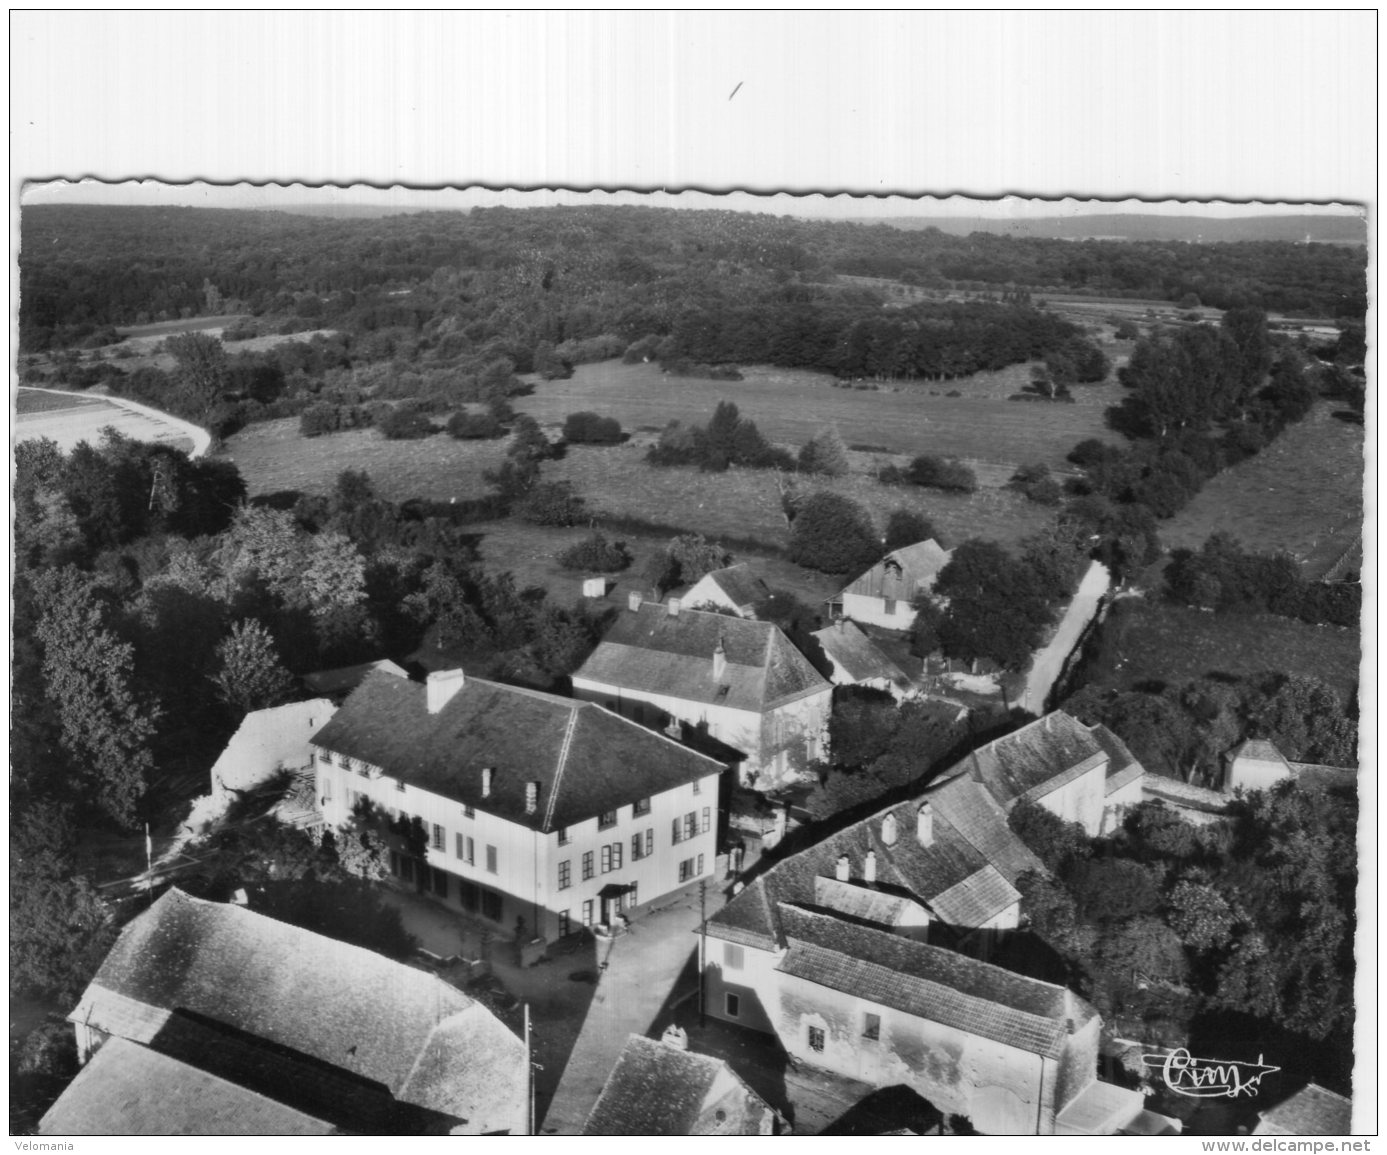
x=750 y=643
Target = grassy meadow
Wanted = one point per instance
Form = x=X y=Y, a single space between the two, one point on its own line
x=1302 y=494
x=35 y=401
x=1147 y=642
x=791 y=405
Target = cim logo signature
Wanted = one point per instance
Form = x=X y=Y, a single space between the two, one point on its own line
x=1209 y=1078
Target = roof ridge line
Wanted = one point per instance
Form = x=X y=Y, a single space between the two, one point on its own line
x=562 y=765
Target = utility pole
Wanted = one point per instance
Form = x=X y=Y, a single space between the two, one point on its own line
x=702 y=945
x=148 y=866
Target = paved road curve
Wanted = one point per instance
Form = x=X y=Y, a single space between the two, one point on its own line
x=69 y=426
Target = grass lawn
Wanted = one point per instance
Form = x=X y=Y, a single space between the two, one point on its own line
x=1145 y=641
x=32 y=401
x=273 y=457
x=1302 y=494
x=790 y=406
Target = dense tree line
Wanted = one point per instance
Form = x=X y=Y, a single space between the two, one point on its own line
x=581 y=273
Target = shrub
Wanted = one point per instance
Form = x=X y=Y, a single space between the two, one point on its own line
x=318 y=419
x=466 y=426
x=825 y=453
x=833 y=534
x=406 y=423
x=590 y=429
x=552 y=503
x=948 y=474
x=1035 y=482
x=595 y=554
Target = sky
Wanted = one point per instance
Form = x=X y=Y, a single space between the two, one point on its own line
x=205 y=195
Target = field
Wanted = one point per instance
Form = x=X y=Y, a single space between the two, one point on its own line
x=790 y=406
x=68 y=418
x=162 y=329
x=1150 y=642
x=1303 y=494
x=31 y=401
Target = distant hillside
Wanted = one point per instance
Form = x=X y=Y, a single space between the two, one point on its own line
x=1336 y=230
x=350 y=211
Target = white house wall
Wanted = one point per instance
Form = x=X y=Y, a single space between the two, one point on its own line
x=868 y=610
x=1081 y=799
x=266 y=742
x=527 y=862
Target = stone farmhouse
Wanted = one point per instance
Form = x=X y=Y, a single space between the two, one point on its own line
x=207 y=1017
x=539 y=813
x=739 y=682
x=733 y=589
x=662 y=1088
x=866 y=952
x=885 y=595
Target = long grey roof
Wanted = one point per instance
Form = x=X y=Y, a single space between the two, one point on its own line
x=860 y=659
x=931 y=982
x=964 y=877
x=656 y=1089
x=586 y=759
x=656 y=652
x=1313 y=1110
x=920 y=565
x=425 y=1042
x=127 y=1089
x=1036 y=759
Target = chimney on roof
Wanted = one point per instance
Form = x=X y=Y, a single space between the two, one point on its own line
x=844 y=868
x=673 y=607
x=869 y=867
x=888 y=830
x=531 y=797
x=675 y=1037
x=487 y=772
x=1047 y=722
x=633 y=601
x=719 y=660
x=840 y=622
x=924 y=824
x=442 y=685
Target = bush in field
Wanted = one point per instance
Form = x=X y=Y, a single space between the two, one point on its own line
x=552 y=503
x=1035 y=482
x=466 y=426
x=833 y=534
x=406 y=423
x=825 y=454
x=944 y=473
x=595 y=554
x=318 y=419
x=589 y=429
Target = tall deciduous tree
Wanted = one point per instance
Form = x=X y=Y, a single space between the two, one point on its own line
x=105 y=726
x=825 y=453
x=202 y=365
x=250 y=676
x=833 y=534
x=996 y=608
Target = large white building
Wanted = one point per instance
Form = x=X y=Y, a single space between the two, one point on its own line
x=538 y=813
x=739 y=682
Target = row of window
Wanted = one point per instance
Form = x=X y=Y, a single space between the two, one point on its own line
x=472 y=897
x=689 y=825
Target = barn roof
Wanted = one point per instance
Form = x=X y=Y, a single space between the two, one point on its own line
x=931 y=982
x=127 y=1089
x=742 y=587
x=859 y=657
x=920 y=564
x=1258 y=749
x=671 y=654
x=1123 y=768
x=657 y=1089
x=331 y=1003
x=585 y=759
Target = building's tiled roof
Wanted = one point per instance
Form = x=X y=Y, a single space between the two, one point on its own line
x=742 y=587
x=585 y=759
x=330 y=1002
x=1123 y=767
x=127 y=1089
x=1036 y=759
x=920 y=565
x=864 y=903
x=968 y=872
x=851 y=649
x=1183 y=794
x=342 y=681
x=1099 y=1109
x=656 y=652
x=1310 y=1111
x=657 y=1089
x=1258 y=749
x=931 y=982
